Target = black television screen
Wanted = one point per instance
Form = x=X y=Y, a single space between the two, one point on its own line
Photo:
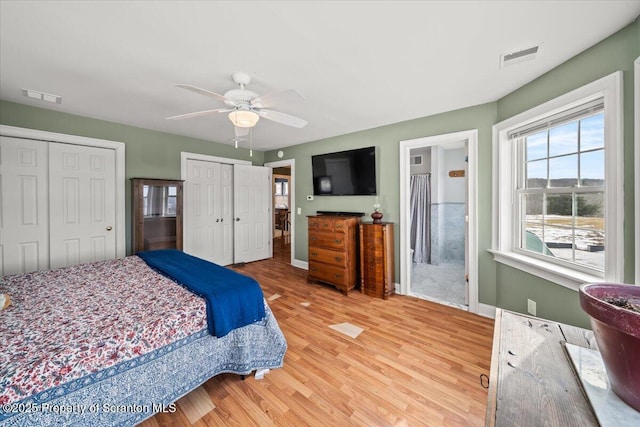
x=347 y=173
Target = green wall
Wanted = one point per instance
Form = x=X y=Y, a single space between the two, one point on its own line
x=499 y=285
x=157 y=155
x=148 y=153
x=386 y=140
x=617 y=52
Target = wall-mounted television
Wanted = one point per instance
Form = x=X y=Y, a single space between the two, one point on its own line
x=346 y=173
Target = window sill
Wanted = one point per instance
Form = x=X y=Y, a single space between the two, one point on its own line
x=562 y=276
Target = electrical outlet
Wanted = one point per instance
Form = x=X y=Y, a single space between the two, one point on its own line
x=531 y=307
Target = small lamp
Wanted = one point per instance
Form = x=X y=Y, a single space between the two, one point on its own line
x=376 y=215
x=244 y=118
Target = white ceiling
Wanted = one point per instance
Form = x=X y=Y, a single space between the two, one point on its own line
x=359 y=64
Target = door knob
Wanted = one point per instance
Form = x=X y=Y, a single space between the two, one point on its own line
x=109 y=228
x=217 y=219
x=237 y=219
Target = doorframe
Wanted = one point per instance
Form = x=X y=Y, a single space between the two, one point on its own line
x=119 y=149
x=405 y=147
x=292 y=193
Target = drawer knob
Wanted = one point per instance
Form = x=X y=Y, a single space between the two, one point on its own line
x=314 y=239
x=338 y=276
x=314 y=253
x=338 y=258
x=337 y=241
x=314 y=269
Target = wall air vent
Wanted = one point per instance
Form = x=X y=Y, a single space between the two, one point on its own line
x=415 y=160
x=518 y=56
x=41 y=96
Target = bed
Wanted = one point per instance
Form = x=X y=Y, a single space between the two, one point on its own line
x=113 y=342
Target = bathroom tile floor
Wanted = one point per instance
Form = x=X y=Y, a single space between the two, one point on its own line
x=442 y=283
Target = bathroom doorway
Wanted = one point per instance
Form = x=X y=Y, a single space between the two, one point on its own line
x=438 y=229
x=438 y=249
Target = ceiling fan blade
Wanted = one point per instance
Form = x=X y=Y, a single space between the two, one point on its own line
x=199 y=113
x=279 y=98
x=285 y=119
x=203 y=91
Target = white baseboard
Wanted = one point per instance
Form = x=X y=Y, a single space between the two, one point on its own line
x=300 y=264
x=487 y=310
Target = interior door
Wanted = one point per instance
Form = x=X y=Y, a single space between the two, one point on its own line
x=252 y=212
x=24 y=228
x=82 y=202
x=225 y=240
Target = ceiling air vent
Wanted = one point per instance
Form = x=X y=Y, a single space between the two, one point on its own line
x=41 y=96
x=518 y=56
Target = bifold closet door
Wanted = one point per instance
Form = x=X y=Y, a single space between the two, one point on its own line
x=82 y=202
x=208 y=205
x=24 y=225
x=252 y=212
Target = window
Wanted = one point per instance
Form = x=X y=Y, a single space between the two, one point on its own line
x=557 y=174
x=560 y=192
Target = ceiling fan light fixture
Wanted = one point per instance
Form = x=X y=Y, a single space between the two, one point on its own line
x=243 y=118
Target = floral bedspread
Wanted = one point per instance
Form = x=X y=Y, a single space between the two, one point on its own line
x=67 y=323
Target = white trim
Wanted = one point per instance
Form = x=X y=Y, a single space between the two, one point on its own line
x=405 y=216
x=300 y=264
x=636 y=165
x=504 y=182
x=184 y=156
x=487 y=310
x=119 y=149
x=564 y=276
x=292 y=208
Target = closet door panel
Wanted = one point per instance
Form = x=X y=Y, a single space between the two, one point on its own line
x=252 y=200
x=82 y=204
x=24 y=228
x=202 y=210
x=226 y=215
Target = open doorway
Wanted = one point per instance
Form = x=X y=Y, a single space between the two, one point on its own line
x=438 y=202
x=438 y=219
x=283 y=208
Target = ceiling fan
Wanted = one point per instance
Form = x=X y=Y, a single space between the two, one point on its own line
x=245 y=107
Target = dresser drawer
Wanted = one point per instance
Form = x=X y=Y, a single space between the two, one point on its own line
x=313 y=223
x=328 y=256
x=326 y=240
x=328 y=273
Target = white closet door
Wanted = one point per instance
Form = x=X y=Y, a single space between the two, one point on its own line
x=24 y=228
x=225 y=241
x=82 y=204
x=208 y=211
x=202 y=213
x=252 y=200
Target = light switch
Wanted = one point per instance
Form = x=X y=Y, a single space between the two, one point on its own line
x=299 y=211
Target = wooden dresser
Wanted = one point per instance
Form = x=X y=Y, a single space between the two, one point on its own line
x=376 y=260
x=333 y=251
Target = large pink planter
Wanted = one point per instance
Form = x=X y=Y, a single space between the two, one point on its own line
x=617 y=332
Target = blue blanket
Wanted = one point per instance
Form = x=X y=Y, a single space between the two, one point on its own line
x=233 y=300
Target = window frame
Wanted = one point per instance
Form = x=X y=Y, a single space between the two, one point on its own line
x=505 y=228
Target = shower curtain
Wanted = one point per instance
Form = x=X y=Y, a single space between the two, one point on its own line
x=421 y=218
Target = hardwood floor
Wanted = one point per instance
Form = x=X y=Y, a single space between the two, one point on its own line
x=282 y=249
x=415 y=363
